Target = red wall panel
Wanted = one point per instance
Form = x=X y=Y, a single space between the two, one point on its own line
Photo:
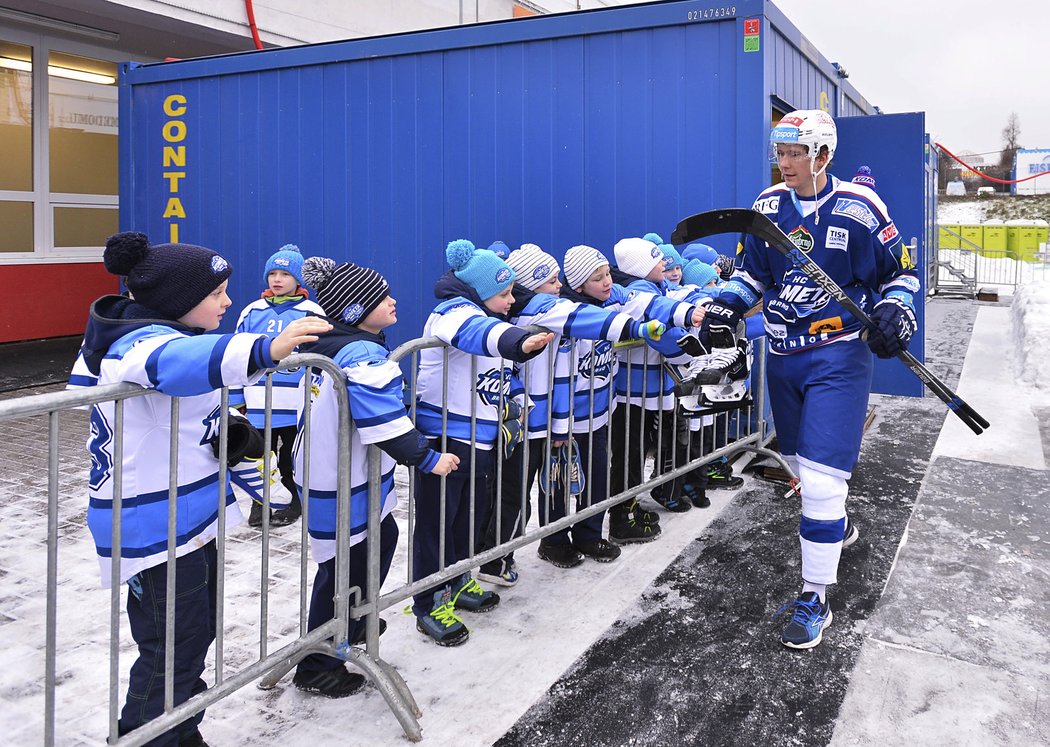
x=49 y=300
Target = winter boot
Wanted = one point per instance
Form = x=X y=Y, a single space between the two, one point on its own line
x=669 y=495
x=640 y=514
x=471 y=597
x=625 y=529
x=720 y=475
x=600 y=549
x=441 y=623
x=192 y=739
x=562 y=556
x=331 y=683
x=285 y=516
x=359 y=634
x=255 y=517
x=697 y=496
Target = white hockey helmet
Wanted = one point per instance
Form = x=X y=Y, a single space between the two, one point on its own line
x=812 y=128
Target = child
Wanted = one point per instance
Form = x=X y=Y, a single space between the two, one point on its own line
x=358 y=304
x=155 y=341
x=283 y=301
x=589 y=280
x=537 y=304
x=475 y=296
x=647 y=422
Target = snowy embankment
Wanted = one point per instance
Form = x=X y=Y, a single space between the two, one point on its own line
x=1031 y=333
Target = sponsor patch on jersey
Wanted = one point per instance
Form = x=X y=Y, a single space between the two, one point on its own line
x=888 y=234
x=856 y=210
x=352 y=313
x=837 y=238
x=831 y=324
x=218 y=264
x=769 y=205
x=503 y=275
x=907 y=282
x=802 y=238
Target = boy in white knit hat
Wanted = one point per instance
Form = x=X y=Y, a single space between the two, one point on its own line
x=589 y=281
x=537 y=304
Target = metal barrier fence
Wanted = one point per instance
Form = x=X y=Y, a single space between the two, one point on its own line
x=744 y=430
x=969 y=266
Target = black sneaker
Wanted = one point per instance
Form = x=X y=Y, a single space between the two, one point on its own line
x=563 y=556
x=359 y=636
x=601 y=550
x=640 y=514
x=667 y=497
x=255 y=516
x=720 y=475
x=626 y=530
x=285 y=516
x=330 y=683
x=697 y=496
x=192 y=739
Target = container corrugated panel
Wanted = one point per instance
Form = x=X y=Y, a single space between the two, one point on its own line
x=559 y=130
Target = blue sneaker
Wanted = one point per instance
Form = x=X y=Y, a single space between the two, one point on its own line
x=441 y=623
x=571 y=469
x=472 y=597
x=806 y=628
x=500 y=572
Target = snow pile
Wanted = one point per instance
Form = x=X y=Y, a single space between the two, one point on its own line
x=1031 y=332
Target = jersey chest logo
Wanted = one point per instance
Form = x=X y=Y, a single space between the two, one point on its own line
x=802 y=238
x=491 y=383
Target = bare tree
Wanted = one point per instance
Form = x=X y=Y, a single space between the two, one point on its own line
x=1011 y=143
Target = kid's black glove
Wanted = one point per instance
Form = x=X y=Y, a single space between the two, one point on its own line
x=511 y=427
x=243 y=441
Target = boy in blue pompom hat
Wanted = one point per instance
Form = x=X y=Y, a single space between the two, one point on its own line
x=485 y=404
x=284 y=300
x=703 y=252
x=673 y=263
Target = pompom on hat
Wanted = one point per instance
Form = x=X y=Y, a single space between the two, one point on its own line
x=170 y=279
x=703 y=252
x=864 y=177
x=699 y=273
x=481 y=269
x=287 y=258
x=672 y=258
x=580 y=263
x=532 y=266
x=347 y=292
x=637 y=257
x=653 y=237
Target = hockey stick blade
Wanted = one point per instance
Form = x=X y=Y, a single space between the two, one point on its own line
x=754 y=223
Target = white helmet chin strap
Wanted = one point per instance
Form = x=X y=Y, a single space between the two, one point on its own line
x=815 y=174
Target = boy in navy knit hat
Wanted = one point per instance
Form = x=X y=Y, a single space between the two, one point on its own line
x=472 y=380
x=283 y=301
x=358 y=303
x=155 y=340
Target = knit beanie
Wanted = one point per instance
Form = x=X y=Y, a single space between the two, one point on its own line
x=703 y=252
x=672 y=258
x=170 y=279
x=864 y=177
x=532 y=266
x=500 y=249
x=637 y=257
x=481 y=269
x=287 y=258
x=699 y=273
x=653 y=237
x=346 y=292
x=580 y=263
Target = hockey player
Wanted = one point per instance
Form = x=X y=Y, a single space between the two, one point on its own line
x=283 y=301
x=536 y=303
x=358 y=304
x=155 y=341
x=819 y=370
x=483 y=398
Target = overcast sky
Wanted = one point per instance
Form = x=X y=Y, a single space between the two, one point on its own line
x=966 y=63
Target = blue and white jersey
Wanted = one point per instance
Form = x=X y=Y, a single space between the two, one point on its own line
x=567 y=320
x=270 y=319
x=180 y=364
x=378 y=414
x=855 y=242
x=641 y=379
x=472 y=335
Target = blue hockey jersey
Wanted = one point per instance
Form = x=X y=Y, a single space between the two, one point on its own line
x=855 y=242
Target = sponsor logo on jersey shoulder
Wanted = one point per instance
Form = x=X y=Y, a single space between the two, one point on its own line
x=802 y=238
x=888 y=234
x=837 y=238
x=768 y=205
x=856 y=210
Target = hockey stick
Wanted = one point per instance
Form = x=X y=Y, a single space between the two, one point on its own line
x=754 y=223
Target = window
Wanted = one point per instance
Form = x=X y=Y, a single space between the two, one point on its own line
x=58 y=185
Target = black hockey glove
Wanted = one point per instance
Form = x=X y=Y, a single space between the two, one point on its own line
x=243 y=441
x=725 y=265
x=895 y=322
x=511 y=427
x=718 y=330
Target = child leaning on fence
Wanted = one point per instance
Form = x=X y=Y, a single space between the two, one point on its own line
x=476 y=386
x=357 y=302
x=536 y=303
x=283 y=301
x=155 y=341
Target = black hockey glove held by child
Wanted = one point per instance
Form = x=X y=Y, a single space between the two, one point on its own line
x=895 y=324
x=718 y=330
x=243 y=441
x=512 y=429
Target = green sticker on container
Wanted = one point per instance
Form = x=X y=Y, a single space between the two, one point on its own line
x=751 y=43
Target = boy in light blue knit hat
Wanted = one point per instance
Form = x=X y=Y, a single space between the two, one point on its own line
x=284 y=300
